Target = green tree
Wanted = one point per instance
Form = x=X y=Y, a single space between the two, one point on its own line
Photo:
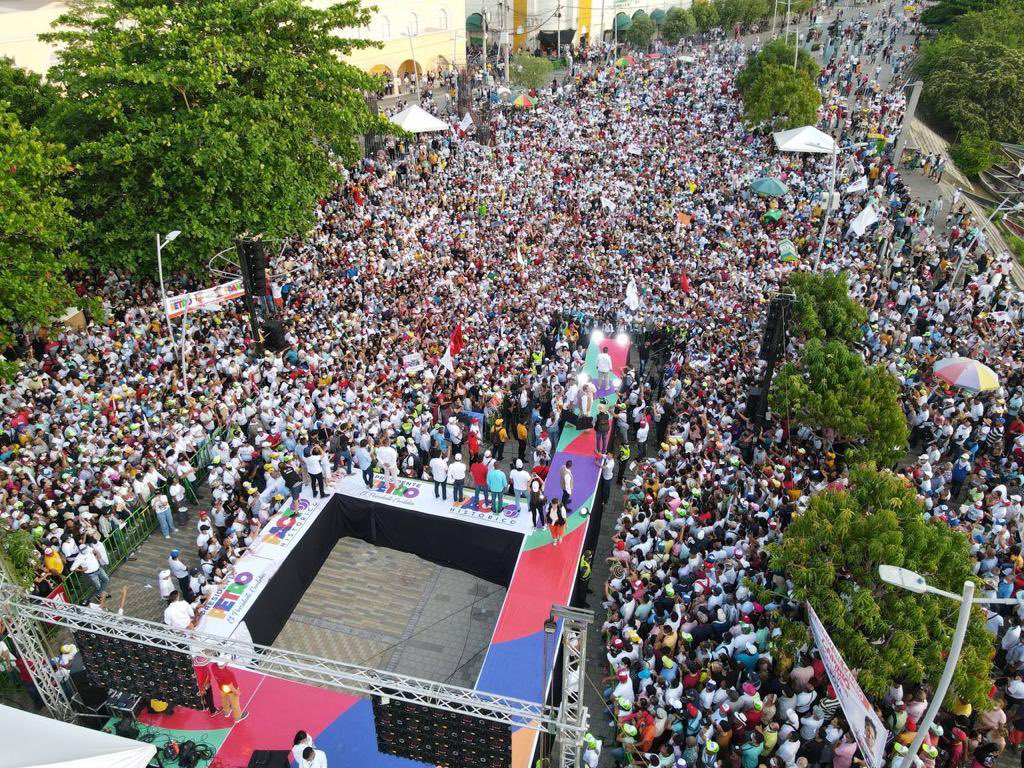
x=781 y=96
x=823 y=308
x=779 y=54
x=1002 y=25
x=530 y=71
x=35 y=232
x=642 y=32
x=679 y=23
x=705 y=14
x=831 y=553
x=215 y=118
x=753 y=11
x=830 y=388
x=975 y=86
x=19 y=553
x=30 y=98
x=730 y=12
x=947 y=11
x=973 y=153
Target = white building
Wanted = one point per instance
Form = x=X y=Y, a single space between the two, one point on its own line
x=536 y=23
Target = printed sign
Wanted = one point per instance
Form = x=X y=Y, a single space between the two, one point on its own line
x=418 y=495
x=413 y=362
x=175 y=306
x=227 y=606
x=867 y=729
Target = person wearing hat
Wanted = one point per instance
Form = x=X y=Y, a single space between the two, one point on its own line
x=591 y=751
x=180 y=572
x=520 y=482
x=457 y=474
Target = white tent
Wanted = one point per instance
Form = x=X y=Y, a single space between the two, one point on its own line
x=34 y=741
x=417 y=120
x=806 y=139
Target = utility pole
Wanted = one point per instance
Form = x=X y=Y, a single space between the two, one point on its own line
x=484 y=15
x=412 y=55
x=507 y=34
x=602 y=23
x=558 y=15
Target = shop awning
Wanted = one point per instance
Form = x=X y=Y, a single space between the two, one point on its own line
x=475 y=23
x=657 y=16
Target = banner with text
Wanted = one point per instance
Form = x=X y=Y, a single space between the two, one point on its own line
x=418 y=495
x=226 y=609
x=176 y=306
x=867 y=729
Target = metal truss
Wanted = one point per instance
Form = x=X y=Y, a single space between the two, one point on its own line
x=27 y=609
x=573 y=716
x=31 y=646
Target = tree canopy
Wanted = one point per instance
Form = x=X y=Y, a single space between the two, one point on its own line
x=782 y=97
x=213 y=118
x=831 y=552
x=823 y=308
x=642 y=31
x=530 y=71
x=705 y=14
x=776 y=53
x=679 y=23
x=831 y=388
x=35 y=231
x=29 y=97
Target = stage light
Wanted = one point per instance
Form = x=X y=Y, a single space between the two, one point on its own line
x=621 y=338
x=597 y=336
x=582 y=378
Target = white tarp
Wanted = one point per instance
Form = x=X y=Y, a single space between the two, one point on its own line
x=806 y=139
x=864 y=219
x=34 y=741
x=414 y=119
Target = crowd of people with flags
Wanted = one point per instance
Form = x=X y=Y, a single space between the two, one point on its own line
x=441 y=308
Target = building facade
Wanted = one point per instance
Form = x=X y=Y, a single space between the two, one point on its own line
x=423 y=36
x=539 y=24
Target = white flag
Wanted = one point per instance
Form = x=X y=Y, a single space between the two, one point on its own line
x=447 y=361
x=466 y=122
x=632 y=297
x=864 y=219
x=606 y=203
x=860 y=185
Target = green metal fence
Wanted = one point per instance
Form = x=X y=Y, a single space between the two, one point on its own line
x=139 y=526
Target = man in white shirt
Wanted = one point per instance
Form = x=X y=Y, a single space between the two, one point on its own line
x=520 y=484
x=179 y=614
x=312 y=758
x=457 y=474
x=87 y=563
x=604 y=368
x=439 y=474
x=388 y=458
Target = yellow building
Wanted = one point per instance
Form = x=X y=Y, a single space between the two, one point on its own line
x=427 y=35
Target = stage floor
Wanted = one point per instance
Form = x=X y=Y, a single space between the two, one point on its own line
x=390 y=610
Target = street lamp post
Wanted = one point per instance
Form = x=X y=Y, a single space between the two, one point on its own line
x=160 y=270
x=914 y=582
x=412 y=53
x=828 y=203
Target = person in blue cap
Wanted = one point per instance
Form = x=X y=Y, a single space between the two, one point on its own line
x=180 y=571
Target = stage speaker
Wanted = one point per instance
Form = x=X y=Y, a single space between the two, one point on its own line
x=274 y=335
x=269 y=758
x=254 y=262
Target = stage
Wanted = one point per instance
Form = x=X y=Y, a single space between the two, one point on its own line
x=502 y=549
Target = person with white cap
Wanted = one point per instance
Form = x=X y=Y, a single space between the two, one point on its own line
x=520 y=481
x=457 y=474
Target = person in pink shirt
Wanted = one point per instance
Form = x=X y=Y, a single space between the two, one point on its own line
x=842 y=756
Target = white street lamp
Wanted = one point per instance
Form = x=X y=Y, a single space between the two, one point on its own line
x=170 y=237
x=915 y=582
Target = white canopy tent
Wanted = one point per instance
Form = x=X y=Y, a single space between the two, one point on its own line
x=414 y=119
x=805 y=139
x=34 y=741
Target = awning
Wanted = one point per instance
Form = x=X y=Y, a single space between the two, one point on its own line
x=623 y=22
x=475 y=22
x=805 y=139
x=415 y=119
x=657 y=16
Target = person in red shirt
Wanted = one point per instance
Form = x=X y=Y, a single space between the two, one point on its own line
x=227 y=683
x=479 y=472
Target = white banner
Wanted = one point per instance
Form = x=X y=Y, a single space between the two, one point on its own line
x=867 y=729
x=413 y=362
x=227 y=607
x=418 y=495
x=176 y=306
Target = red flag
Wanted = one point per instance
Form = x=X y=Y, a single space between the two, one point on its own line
x=684 y=283
x=455 y=343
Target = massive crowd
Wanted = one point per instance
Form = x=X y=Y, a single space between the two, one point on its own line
x=638 y=177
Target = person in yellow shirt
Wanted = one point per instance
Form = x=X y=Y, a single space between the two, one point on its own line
x=53 y=561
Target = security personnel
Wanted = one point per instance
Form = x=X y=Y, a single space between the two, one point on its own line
x=583 y=578
x=624 y=455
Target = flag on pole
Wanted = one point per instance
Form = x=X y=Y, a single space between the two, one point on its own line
x=787 y=251
x=632 y=296
x=455 y=345
x=864 y=219
x=860 y=185
x=684 y=283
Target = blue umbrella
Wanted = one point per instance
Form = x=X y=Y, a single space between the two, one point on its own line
x=769 y=186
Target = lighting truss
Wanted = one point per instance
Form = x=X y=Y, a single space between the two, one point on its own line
x=572 y=714
x=22 y=610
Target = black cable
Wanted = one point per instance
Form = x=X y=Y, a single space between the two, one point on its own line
x=467 y=662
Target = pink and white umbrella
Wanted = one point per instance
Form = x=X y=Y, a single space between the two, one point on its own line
x=965 y=373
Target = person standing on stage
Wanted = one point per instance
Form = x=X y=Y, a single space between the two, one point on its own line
x=439 y=474
x=537 y=499
x=565 y=475
x=557 y=514
x=227 y=684
x=457 y=474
